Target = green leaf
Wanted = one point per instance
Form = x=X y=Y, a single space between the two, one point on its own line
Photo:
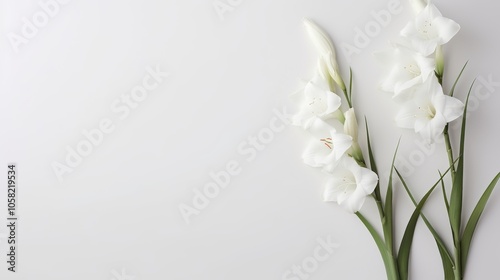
x=446 y=257
x=452 y=91
x=474 y=219
x=387 y=222
x=373 y=167
x=445 y=196
x=447 y=265
x=406 y=242
x=389 y=262
x=457 y=189
x=350 y=83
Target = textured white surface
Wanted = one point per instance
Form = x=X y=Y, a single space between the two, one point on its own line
x=117 y=213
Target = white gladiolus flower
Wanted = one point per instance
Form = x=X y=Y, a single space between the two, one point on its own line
x=429 y=111
x=406 y=70
x=430 y=29
x=316 y=101
x=326 y=51
x=327 y=146
x=350 y=184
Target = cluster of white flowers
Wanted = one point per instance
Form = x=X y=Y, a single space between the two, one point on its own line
x=415 y=69
x=333 y=145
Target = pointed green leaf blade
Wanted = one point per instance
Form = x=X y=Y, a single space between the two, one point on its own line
x=447 y=265
x=445 y=196
x=457 y=189
x=452 y=91
x=437 y=237
x=388 y=206
x=350 y=83
x=373 y=165
x=474 y=219
x=404 y=249
x=390 y=268
x=446 y=257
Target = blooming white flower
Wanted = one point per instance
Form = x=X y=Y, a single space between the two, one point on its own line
x=406 y=69
x=430 y=29
x=350 y=184
x=429 y=111
x=327 y=145
x=326 y=50
x=316 y=101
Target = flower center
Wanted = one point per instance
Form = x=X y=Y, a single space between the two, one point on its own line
x=413 y=69
x=317 y=105
x=348 y=183
x=328 y=142
x=426 y=30
x=431 y=111
x=428 y=111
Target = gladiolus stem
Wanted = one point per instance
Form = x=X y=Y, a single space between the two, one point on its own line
x=449 y=150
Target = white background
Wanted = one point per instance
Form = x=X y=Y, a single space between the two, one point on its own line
x=118 y=211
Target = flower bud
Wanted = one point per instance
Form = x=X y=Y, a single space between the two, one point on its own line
x=323 y=71
x=319 y=38
x=351 y=124
x=333 y=69
x=351 y=129
x=326 y=51
x=439 y=61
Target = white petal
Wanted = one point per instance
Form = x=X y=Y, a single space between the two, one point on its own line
x=425 y=47
x=337 y=190
x=321 y=129
x=432 y=11
x=340 y=143
x=453 y=108
x=426 y=65
x=402 y=89
x=355 y=202
x=315 y=153
x=446 y=29
x=430 y=130
x=367 y=181
x=409 y=31
x=320 y=82
x=302 y=118
x=407 y=116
